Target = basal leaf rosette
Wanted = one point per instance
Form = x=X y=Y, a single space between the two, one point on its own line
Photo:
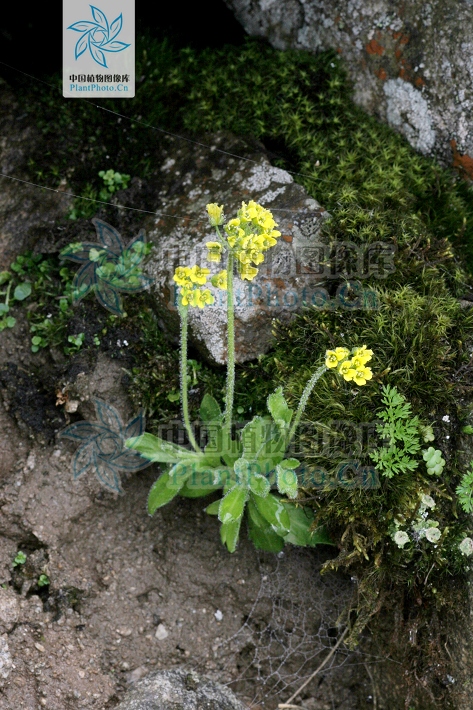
x=351 y=365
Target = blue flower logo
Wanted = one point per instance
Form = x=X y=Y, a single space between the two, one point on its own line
x=108 y=267
x=102 y=446
x=98 y=36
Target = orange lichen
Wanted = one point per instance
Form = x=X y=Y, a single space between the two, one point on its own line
x=381 y=74
x=374 y=47
x=463 y=162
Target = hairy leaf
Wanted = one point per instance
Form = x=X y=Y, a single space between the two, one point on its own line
x=232 y=505
x=273 y=511
x=261 y=533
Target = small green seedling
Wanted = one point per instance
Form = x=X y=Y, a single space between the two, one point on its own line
x=20 y=559
x=113 y=181
x=20 y=292
x=43 y=580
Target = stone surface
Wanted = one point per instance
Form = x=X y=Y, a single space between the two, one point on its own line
x=194 y=177
x=9 y=609
x=411 y=63
x=5 y=659
x=26 y=213
x=179 y=690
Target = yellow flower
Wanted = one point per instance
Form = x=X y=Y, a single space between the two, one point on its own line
x=362 y=354
x=220 y=280
x=247 y=272
x=198 y=275
x=341 y=353
x=350 y=369
x=181 y=275
x=331 y=360
x=196 y=297
x=250 y=255
x=362 y=374
x=215 y=214
x=203 y=297
x=333 y=357
x=215 y=251
x=186 y=295
x=346 y=370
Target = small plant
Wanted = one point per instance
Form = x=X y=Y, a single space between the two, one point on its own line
x=418 y=528
x=465 y=491
x=20 y=291
x=20 y=559
x=193 y=367
x=401 y=433
x=113 y=181
x=434 y=461
x=85 y=206
x=76 y=343
x=244 y=467
x=43 y=580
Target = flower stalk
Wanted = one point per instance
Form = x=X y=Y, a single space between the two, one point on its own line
x=303 y=401
x=183 y=373
x=230 y=389
x=245 y=239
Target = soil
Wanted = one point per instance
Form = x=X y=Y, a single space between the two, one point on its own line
x=129 y=594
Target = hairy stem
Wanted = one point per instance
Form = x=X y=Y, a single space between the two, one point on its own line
x=303 y=401
x=230 y=389
x=184 y=400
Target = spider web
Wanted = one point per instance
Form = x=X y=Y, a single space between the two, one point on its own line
x=296 y=619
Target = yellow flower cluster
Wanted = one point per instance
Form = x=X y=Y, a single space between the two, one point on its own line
x=189 y=278
x=249 y=235
x=351 y=369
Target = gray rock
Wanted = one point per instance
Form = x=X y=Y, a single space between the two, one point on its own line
x=193 y=177
x=6 y=662
x=179 y=690
x=9 y=609
x=411 y=63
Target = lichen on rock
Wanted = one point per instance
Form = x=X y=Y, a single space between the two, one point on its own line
x=426 y=47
